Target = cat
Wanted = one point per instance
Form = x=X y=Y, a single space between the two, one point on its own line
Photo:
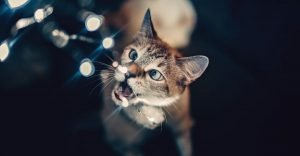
x=148 y=86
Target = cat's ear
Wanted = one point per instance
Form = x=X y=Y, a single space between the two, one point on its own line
x=192 y=67
x=147 y=26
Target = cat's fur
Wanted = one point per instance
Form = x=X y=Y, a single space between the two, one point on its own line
x=149 y=102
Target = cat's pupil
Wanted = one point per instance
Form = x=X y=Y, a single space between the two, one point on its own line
x=155 y=75
x=133 y=55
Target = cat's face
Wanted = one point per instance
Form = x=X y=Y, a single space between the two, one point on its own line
x=153 y=76
x=151 y=72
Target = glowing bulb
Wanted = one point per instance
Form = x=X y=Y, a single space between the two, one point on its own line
x=39 y=15
x=124 y=70
x=13 y=4
x=87 y=68
x=93 y=22
x=24 y=22
x=115 y=64
x=59 y=38
x=108 y=42
x=4 y=51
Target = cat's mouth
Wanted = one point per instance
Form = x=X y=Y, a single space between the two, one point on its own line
x=124 y=91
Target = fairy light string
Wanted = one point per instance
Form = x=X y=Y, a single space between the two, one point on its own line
x=55 y=34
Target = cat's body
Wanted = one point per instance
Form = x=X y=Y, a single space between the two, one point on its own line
x=126 y=136
x=149 y=86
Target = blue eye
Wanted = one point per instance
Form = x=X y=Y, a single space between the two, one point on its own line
x=133 y=55
x=155 y=75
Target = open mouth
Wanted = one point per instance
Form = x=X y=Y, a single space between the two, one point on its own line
x=124 y=91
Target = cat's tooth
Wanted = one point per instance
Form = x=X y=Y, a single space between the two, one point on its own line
x=125 y=102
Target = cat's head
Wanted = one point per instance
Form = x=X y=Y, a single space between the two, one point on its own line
x=151 y=72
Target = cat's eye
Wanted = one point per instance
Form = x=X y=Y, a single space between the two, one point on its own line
x=133 y=54
x=155 y=75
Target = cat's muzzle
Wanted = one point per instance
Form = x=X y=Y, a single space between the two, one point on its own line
x=124 y=93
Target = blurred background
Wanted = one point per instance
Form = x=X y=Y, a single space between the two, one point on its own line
x=50 y=103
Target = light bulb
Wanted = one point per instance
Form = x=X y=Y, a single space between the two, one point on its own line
x=87 y=68
x=4 y=51
x=108 y=42
x=13 y=4
x=93 y=22
x=39 y=15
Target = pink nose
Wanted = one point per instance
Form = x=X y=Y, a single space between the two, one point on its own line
x=134 y=70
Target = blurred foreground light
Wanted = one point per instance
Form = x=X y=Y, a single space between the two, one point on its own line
x=115 y=64
x=55 y=34
x=4 y=51
x=20 y=24
x=39 y=15
x=93 y=22
x=87 y=68
x=59 y=38
x=24 y=22
x=13 y=4
x=108 y=42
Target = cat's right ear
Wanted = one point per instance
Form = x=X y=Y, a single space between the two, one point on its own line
x=147 y=26
x=192 y=67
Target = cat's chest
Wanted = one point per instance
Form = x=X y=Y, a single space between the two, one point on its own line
x=147 y=116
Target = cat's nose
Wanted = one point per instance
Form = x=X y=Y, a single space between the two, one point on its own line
x=133 y=70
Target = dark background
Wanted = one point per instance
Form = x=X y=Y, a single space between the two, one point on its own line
x=240 y=104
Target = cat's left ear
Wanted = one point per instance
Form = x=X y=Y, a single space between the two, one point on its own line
x=192 y=67
x=147 y=26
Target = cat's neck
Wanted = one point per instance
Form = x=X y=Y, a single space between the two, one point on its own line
x=145 y=115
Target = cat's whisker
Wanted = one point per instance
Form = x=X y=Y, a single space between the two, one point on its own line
x=107 y=84
x=104 y=64
x=137 y=133
x=100 y=84
x=101 y=70
x=176 y=108
x=107 y=74
x=109 y=70
x=110 y=75
x=134 y=93
x=167 y=112
x=94 y=88
x=94 y=76
x=91 y=82
x=161 y=127
x=117 y=110
x=106 y=68
x=109 y=58
x=165 y=118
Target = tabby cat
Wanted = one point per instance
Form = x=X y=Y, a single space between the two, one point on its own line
x=145 y=88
